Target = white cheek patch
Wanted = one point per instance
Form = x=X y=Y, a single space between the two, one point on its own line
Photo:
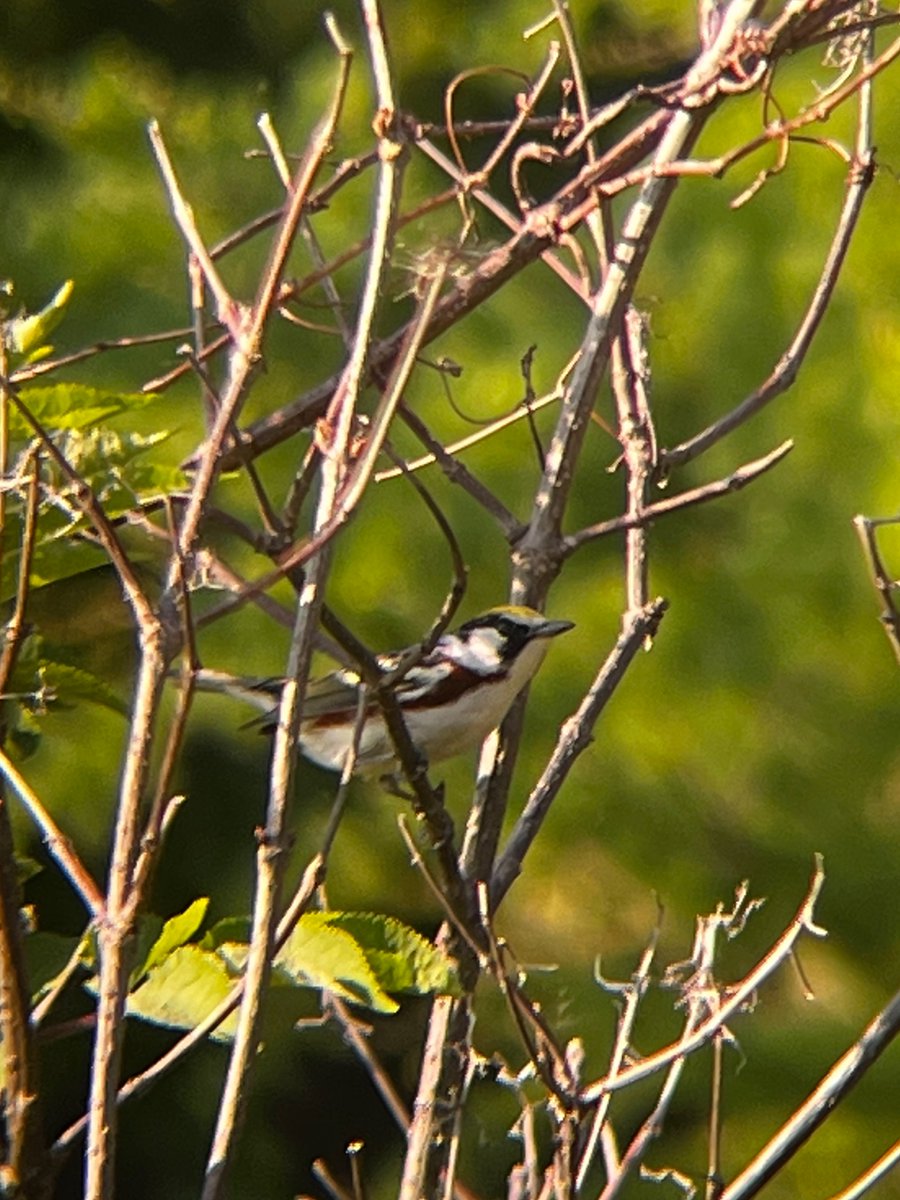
x=480 y=652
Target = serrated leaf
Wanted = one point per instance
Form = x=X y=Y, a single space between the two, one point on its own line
x=93 y=451
x=114 y=466
x=67 y=683
x=72 y=406
x=319 y=955
x=175 y=932
x=400 y=957
x=41 y=680
x=183 y=990
x=25 y=335
x=229 y=929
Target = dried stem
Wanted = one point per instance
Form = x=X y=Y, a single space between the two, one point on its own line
x=843 y=1076
x=275 y=839
x=574 y=738
x=885 y=584
x=738 y=479
x=737 y=998
x=860 y=176
x=58 y=845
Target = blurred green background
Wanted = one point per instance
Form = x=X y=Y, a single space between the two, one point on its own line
x=761 y=728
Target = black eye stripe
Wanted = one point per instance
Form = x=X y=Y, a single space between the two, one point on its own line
x=499 y=621
x=514 y=634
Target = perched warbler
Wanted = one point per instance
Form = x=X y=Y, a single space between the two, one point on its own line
x=450 y=700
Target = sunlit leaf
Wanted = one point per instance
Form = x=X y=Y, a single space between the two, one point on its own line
x=401 y=958
x=175 y=932
x=183 y=990
x=322 y=957
x=72 y=406
x=25 y=335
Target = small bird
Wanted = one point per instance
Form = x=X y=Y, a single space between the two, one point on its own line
x=450 y=700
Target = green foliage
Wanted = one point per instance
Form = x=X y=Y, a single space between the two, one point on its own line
x=360 y=957
x=120 y=469
x=183 y=989
x=763 y=725
x=74 y=407
x=25 y=336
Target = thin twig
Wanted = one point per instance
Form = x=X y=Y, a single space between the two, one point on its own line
x=532 y=237
x=885 y=584
x=246 y=349
x=875 y=1174
x=354 y=485
x=842 y=1077
x=88 y=503
x=633 y=992
x=58 y=845
x=714 y=1153
x=737 y=998
x=738 y=479
x=14 y=633
x=787 y=368
x=574 y=738
x=25 y=1159
x=230 y=313
x=630 y=377
x=275 y=838
x=46 y=366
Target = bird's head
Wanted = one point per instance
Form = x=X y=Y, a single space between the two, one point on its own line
x=491 y=643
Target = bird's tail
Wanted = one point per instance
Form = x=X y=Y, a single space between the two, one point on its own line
x=262 y=694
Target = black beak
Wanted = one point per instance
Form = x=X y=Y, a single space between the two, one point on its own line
x=552 y=628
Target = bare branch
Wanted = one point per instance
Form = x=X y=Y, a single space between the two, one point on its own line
x=58 y=845
x=885 y=584
x=708 y=491
x=878 y=1171
x=787 y=368
x=737 y=998
x=575 y=737
x=842 y=1077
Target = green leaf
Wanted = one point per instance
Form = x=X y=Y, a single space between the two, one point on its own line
x=400 y=957
x=229 y=929
x=40 y=683
x=25 y=335
x=67 y=683
x=183 y=990
x=175 y=932
x=112 y=464
x=319 y=955
x=24 y=733
x=358 y=956
x=54 y=559
x=72 y=406
x=47 y=955
x=321 y=958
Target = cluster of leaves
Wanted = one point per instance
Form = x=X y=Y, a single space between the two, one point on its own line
x=60 y=442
